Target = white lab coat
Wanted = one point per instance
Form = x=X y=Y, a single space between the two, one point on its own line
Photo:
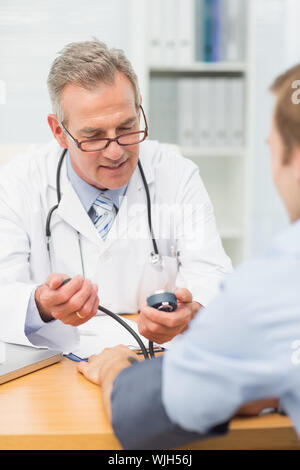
x=119 y=265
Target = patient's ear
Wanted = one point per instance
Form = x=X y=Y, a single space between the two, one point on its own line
x=296 y=162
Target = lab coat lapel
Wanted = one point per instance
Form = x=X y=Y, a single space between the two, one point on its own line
x=132 y=209
x=131 y=222
x=72 y=212
x=70 y=208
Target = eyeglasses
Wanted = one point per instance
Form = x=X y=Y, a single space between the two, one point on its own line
x=93 y=145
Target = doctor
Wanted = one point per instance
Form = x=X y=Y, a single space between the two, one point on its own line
x=98 y=233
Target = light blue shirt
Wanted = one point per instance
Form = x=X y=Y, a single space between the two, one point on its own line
x=87 y=195
x=244 y=346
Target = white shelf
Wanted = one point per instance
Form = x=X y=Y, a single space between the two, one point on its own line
x=206 y=67
x=224 y=169
x=211 y=152
x=231 y=233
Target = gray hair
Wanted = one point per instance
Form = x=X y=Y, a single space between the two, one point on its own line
x=87 y=63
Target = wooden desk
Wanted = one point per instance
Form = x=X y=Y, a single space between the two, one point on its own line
x=57 y=408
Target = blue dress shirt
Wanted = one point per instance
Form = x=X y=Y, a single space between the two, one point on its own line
x=244 y=346
x=87 y=195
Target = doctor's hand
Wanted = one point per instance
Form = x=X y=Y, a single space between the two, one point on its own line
x=73 y=303
x=160 y=327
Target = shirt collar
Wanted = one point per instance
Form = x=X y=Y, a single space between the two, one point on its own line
x=287 y=241
x=88 y=193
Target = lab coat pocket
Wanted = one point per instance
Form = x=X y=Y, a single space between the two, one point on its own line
x=159 y=275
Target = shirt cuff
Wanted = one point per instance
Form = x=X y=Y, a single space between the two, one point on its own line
x=139 y=418
x=33 y=321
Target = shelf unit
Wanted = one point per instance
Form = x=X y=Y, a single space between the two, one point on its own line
x=225 y=170
x=207 y=67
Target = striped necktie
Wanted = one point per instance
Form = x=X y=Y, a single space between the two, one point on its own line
x=104 y=215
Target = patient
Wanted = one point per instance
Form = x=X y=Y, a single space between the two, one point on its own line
x=240 y=349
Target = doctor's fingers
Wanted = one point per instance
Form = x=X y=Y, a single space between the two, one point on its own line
x=88 y=311
x=183 y=295
x=155 y=332
x=56 y=280
x=53 y=294
x=158 y=332
x=74 y=319
x=82 y=300
x=177 y=319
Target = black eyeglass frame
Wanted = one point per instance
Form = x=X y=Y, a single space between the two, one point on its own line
x=107 y=139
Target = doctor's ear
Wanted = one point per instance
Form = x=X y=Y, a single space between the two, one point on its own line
x=57 y=131
x=141 y=100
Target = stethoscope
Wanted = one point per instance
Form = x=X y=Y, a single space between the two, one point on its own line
x=161 y=300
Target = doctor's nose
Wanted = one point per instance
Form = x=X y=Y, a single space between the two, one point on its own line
x=113 y=151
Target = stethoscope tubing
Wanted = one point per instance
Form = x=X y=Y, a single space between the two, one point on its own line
x=155 y=249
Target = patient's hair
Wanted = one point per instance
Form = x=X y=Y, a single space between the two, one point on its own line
x=87 y=64
x=287 y=109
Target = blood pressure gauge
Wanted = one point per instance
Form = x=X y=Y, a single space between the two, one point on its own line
x=162 y=300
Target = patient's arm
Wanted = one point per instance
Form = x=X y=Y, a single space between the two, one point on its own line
x=255 y=407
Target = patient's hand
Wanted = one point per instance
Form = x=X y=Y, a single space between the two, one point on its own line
x=103 y=368
x=255 y=407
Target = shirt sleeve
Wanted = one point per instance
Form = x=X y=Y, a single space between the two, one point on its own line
x=139 y=418
x=227 y=357
x=33 y=320
x=235 y=351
